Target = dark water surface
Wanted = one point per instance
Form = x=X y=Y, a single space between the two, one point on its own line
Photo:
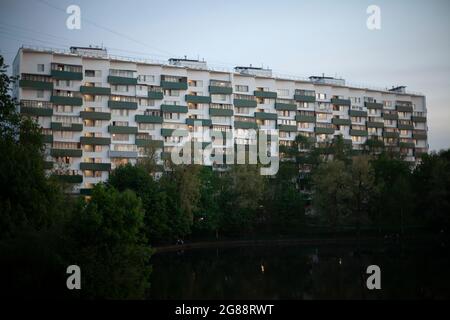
x=419 y=271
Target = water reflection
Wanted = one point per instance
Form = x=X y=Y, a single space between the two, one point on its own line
x=299 y=272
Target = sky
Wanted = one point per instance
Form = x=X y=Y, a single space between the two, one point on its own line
x=295 y=37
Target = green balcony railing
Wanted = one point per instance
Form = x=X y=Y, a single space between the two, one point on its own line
x=95 y=90
x=66 y=75
x=265 y=94
x=142 y=118
x=285 y=106
x=101 y=141
x=42 y=85
x=341 y=122
x=390 y=116
x=94 y=115
x=122 y=129
x=197 y=99
x=374 y=124
x=95 y=166
x=150 y=143
x=304 y=118
x=220 y=90
x=156 y=95
x=389 y=134
x=245 y=125
x=245 y=103
x=357 y=113
x=69 y=101
x=266 y=116
x=40 y=112
x=405 y=126
x=341 y=102
x=358 y=133
x=420 y=136
x=304 y=98
x=419 y=119
x=174 y=85
x=287 y=128
x=67 y=178
x=47 y=138
x=218 y=112
x=321 y=130
x=174 y=108
x=122 y=80
x=401 y=108
x=407 y=145
x=129 y=105
x=76 y=153
x=373 y=105
x=167 y=132
x=201 y=122
x=59 y=126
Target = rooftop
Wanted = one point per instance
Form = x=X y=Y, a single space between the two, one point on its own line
x=101 y=53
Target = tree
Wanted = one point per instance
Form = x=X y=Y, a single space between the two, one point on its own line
x=362 y=188
x=332 y=192
x=109 y=244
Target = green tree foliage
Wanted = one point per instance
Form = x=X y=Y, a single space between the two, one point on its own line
x=109 y=245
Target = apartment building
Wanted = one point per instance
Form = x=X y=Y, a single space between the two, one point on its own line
x=99 y=111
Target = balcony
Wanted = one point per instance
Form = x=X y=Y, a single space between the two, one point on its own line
x=390 y=116
x=100 y=141
x=68 y=178
x=122 y=129
x=95 y=90
x=220 y=90
x=94 y=115
x=59 y=126
x=357 y=113
x=341 y=102
x=245 y=125
x=174 y=108
x=95 y=166
x=158 y=144
x=305 y=118
x=358 y=133
x=197 y=99
x=249 y=103
x=389 y=134
x=341 y=122
x=47 y=138
x=420 y=135
x=265 y=94
x=168 y=132
x=34 y=84
x=67 y=75
x=66 y=101
x=419 y=119
x=129 y=105
x=122 y=80
x=216 y=112
x=323 y=130
x=140 y=118
x=404 y=108
x=287 y=128
x=285 y=106
x=373 y=105
x=76 y=153
x=305 y=97
x=405 y=126
x=122 y=154
x=155 y=94
x=406 y=145
x=201 y=122
x=373 y=124
x=166 y=84
x=266 y=116
x=37 y=111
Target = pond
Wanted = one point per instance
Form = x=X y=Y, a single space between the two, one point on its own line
x=419 y=271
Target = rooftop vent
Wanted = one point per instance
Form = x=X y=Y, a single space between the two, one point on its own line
x=90 y=51
x=254 y=71
x=188 y=63
x=399 y=89
x=327 y=80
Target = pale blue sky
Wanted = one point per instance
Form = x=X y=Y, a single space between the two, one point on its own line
x=293 y=37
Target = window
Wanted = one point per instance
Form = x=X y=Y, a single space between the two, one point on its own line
x=241 y=88
x=195 y=83
x=146 y=78
x=120 y=137
x=283 y=92
x=321 y=96
x=61 y=108
x=89 y=73
x=120 y=112
x=146 y=126
x=40 y=93
x=120 y=88
x=172 y=116
x=40 y=68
